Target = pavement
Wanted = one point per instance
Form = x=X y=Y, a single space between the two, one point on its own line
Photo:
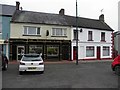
x=65 y=61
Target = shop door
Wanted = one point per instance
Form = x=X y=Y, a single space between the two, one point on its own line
x=20 y=52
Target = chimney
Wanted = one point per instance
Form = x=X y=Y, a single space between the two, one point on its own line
x=62 y=12
x=17 y=5
x=101 y=17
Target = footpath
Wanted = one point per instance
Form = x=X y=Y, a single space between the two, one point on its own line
x=65 y=61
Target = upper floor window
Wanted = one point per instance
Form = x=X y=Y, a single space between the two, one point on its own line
x=90 y=36
x=59 y=32
x=75 y=34
x=102 y=36
x=31 y=30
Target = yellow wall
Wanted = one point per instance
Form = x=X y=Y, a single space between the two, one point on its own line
x=17 y=30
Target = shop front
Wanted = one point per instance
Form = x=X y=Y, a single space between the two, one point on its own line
x=50 y=49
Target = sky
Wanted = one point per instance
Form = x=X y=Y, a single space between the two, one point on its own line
x=86 y=8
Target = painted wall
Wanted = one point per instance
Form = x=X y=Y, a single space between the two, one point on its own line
x=83 y=42
x=17 y=31
x=1 y=27
x=6 y=33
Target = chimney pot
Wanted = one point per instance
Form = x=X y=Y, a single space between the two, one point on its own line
x=62 y=12
x=17 y=5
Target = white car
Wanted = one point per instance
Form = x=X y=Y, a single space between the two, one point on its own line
x=31 y=62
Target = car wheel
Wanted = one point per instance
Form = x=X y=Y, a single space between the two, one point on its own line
x=117 y=70
x=20 y=72
x=41 y=72
x=5 y=66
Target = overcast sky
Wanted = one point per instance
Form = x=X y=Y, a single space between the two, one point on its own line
x=86 y=8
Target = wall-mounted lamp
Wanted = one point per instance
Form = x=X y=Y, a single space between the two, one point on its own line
x=47 y=33
x=81 y=30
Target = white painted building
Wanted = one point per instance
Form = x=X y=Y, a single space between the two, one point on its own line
x=95 y=41
x=91 y=45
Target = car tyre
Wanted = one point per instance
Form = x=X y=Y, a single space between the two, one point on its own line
x=20 y=72
x=5 y=66
x=117 y=70
x=41 y=72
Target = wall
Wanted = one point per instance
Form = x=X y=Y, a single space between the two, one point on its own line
x=17 y=31
x=83 y=42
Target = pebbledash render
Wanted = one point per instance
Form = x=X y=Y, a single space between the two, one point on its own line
x=54 y=35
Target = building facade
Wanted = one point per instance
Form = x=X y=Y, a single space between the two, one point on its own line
x=54 y=36
x=93 y=44
x=6 y=13
x=95 y=40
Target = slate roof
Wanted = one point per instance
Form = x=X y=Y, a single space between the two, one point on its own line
x=56 y=19
x=7 y=9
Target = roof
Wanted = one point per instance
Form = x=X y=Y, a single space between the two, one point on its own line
x=56 y=19
x=7 y=9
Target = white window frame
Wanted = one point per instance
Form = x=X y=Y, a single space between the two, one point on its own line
x=90 y=48
x=56 y=32
x=27 y=32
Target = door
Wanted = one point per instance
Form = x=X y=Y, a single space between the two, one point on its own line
x=74 y=53
x=20 y=52
x=98 y=53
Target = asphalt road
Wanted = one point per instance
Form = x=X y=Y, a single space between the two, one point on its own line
x=63 y=75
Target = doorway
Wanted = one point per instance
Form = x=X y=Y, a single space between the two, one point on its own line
x=20 y=52
x=74 y=52
x=98 y=53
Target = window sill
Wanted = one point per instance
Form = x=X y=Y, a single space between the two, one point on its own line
x=90 y=40
x=33 y=35
x=103 y=41
x=59 y=36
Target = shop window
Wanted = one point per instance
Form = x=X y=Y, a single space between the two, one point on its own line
x=89 y=51
x=52 y=50
x=106 y=51
x=35 y=49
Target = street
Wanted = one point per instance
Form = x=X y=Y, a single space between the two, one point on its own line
x=63 y=75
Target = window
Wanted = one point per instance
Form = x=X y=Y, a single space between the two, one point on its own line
x=31 y=30
x=89 y=51
x=52 y=50
x=0 y=27
x=90 y=36
x=35 y=49
x=75 y=34
x=106 y=51
x=102 y=36
x=59 y=32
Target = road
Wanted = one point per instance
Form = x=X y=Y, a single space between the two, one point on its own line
x=63 y=75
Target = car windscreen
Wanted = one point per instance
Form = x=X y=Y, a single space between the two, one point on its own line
x=31 y=58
